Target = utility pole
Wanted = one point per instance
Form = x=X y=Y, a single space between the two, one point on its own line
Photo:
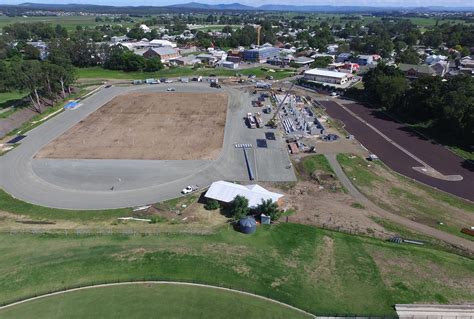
x=258 y=34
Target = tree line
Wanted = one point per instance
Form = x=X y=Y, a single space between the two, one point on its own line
x=44 y=81
x=446 y=105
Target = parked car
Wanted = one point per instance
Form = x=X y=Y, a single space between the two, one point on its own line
x=170 y=89
x=372 y=157
x=189 y=189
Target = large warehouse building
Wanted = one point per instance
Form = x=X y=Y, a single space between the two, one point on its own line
x=261 y=54
x=327 y=76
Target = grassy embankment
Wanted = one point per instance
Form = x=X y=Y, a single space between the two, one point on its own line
x=100 y=73
x=151 y=301
x=7 y=99
x=69 y=22
x=407 y=198
x=321 y=271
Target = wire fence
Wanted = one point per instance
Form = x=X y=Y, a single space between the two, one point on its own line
x=78 y=232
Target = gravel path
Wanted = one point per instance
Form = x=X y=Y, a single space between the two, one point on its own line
x=426 y=230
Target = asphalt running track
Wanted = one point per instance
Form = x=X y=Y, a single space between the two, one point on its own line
x=433 y=154
x=104 y=184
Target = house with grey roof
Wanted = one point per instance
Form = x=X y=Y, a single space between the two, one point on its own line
x=166 y=53
x=414 y=71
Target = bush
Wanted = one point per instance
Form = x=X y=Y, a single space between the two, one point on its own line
x=238 y=208
x=269 y=208
x=212 y=204
x=157 y=219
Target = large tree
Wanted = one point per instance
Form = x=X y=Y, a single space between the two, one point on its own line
x=30 y=78
x=269 y=208
x=238 y=208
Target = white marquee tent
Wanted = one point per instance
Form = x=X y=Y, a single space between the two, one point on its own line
x=226 y=192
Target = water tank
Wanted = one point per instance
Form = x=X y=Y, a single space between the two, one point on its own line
x=248 y=225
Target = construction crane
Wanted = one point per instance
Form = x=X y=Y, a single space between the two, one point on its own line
x=258 y=27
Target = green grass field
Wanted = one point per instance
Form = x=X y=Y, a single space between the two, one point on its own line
x=150 y=301
x=97 y=72
x=316 y=162
x=7 y=99
x=69 y=22
x=319 y=271
x=16 y=206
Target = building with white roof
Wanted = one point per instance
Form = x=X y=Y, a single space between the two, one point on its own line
x=225 y=192
x=145 y=28
x=432 y=59
x=327 y=76
x=155 y=43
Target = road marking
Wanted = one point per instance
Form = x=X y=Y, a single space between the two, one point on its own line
x=158 y=283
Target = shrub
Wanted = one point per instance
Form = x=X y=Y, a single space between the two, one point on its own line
x=212 y=204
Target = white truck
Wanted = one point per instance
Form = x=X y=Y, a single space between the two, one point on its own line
x=258 y=118
x=189 y=189
x=251 y=121
x=263 y=85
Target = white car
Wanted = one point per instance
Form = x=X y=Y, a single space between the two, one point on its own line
x=189 y=189
x=170 y=89
x=168 y=81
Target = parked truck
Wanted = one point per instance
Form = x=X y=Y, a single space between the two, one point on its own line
x=263 y=85
x=251 y=121
x=258 y=119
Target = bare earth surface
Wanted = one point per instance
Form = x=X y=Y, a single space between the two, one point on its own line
x=152 y=126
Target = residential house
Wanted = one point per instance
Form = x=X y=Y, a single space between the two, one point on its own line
x=441 y=68
x=414 y=71
x=208 y=59
x=432 y=59
x=365 y=59
x=186 y=60
x=343 y=57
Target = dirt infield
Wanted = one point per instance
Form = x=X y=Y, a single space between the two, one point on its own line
x=152 y=126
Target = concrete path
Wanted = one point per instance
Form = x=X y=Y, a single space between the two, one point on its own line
x=159 y=283
x=423 y=229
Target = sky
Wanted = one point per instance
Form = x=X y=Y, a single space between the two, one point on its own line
x=391 y=3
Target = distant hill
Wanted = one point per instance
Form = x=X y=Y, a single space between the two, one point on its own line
x=322 y=8
x=196 y=6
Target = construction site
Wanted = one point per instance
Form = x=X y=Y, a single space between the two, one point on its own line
x=131 y=145
x=147 y=125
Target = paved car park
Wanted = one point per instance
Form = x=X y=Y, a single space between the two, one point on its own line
x=435 y=155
